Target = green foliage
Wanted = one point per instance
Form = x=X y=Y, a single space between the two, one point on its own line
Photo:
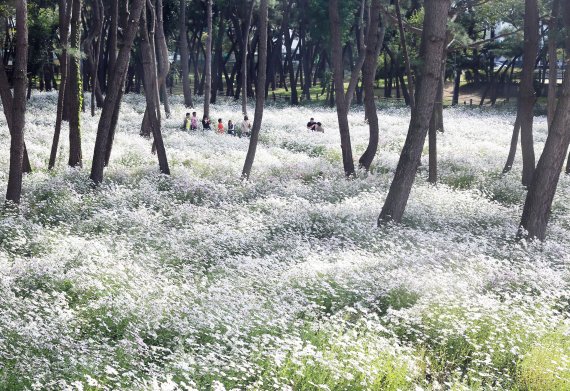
x=547 y=364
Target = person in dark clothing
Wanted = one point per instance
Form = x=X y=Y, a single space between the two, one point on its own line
x=311 y=125
x=206 y=123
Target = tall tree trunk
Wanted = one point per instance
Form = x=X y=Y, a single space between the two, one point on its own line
x=75 y=88
x=113 y=33
x=405 y=54
x=260 y=89
x=431 y=50
x=184 y=55
x=161 y=55
x=115 y=86
x=218 y=60
x=98 y=15
x=208 y=60
x=14 y=189
x=552 y=58
x=151 y=81
x=374 y=39
x=542 y=188
x=245 y=44
x=527 y=95
x=65 y=19
x=289 y=58
x=341 y=108
x=354 y=76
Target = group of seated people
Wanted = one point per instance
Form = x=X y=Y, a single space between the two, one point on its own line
x=191 y=123
x=315 y=126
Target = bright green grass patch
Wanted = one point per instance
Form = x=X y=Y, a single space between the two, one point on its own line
x=547 y=364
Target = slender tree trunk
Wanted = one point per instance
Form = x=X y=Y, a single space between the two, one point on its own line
x=341 y=107
x=113 y=33
x=184 y=56
x=14 y=189
x=161 y=56
x=115 y=86
x=354 y=76
x=65 y=18
x=431 y=50
x=513 y=148
x=260 y=87
x=289 y=58
x=405 y=54
x=527 y=95
x=245 y=44
x=75 y=89
x=552 y=58
x=374 y=39
x=218 y=60
x=150 y=81
x=208 y=65
x=98 y=15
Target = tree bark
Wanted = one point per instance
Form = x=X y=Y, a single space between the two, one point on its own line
x=289 y=59
x=552 y=58
x=405 y=54
x=75 y=88
x=527 y=95
x=374 y=40
x=14 y=188
x=184 y=55
x=161 y=55
x=542 y=188
x=218 y=60
x=432 y=46
x=354 y=76
x=115 y=86
x=245 y=44
x=151 y=82
x=341 y=107
x=208 y=60
x=260 y=89
x=65 y=18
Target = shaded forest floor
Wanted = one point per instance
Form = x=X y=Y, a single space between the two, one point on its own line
x=202 y=281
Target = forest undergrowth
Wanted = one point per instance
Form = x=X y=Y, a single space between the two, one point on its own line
x=203 y=281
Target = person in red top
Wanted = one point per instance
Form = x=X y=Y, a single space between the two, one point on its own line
x=220 y=126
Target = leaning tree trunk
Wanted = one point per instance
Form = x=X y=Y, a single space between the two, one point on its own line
x=552 y=58
x=75 y=89
x=259 y=88
x=341 y=108
x=115 y=86
x=184 y=55
x=542 y=188
x=150 y=81
x=432 y=46
x=527 y=95
x=354 y=76
x=374 y=39
x=14 y=189
x=208 y=60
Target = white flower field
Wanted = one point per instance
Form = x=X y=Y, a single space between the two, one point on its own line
x=202 y=281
